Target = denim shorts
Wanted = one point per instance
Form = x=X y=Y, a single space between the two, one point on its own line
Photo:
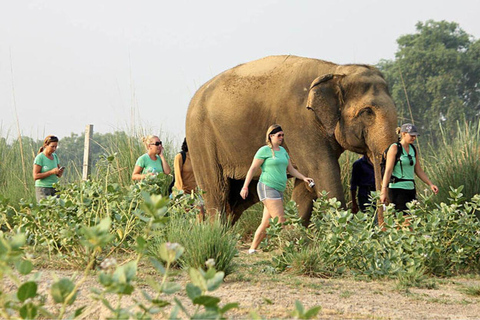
x=266 y=192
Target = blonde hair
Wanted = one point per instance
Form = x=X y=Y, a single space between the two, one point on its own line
x=148 y=139
x=267 y=138
x=49 y=139
x=399 y=132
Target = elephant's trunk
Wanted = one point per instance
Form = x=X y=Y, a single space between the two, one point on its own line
x=378 y=186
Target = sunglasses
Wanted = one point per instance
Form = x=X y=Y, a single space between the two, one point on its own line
x=158 y=143
x=51 y=139
x=411 y=160
x=280 y=135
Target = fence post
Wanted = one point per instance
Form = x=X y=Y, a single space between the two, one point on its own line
x=86 y=151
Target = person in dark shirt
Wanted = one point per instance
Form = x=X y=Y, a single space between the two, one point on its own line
x=363 y=178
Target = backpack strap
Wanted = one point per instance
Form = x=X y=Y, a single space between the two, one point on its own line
x=394 y=179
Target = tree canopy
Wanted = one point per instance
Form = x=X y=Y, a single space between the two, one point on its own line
x=435 y=76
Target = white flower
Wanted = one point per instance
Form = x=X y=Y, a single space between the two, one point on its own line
x=210 y=263
x=107 y=263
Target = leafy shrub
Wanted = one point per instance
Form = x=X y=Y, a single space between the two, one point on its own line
x=443 y=241
x=54 y=223
x=203 y=241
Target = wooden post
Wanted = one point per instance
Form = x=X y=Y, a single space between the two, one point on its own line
x=86 y=151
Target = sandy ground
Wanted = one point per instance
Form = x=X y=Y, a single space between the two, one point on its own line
x=272 y=295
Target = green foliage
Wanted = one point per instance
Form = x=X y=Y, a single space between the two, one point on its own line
x=455 y=161
x=443 y=241
x=202 y=241
x=439 y=69
x=113 y=158
x=59 y=223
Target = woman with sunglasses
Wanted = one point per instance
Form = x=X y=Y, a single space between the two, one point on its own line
x=46 y=168
x=274 y=162
x=152 y=162
x=402 y=189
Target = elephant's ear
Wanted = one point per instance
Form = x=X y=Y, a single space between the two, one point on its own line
x=325 y=99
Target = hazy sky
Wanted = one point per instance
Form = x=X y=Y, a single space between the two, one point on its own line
x=65 y=64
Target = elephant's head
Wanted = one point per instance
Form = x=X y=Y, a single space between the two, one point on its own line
x=355 y=107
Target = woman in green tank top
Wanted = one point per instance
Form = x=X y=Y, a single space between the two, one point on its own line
x=46 y=169
x=402 y=190
x=274 y=162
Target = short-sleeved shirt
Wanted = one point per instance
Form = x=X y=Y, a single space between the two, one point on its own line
x=42 y=160
x=363 y=177
x=149 y=165
x=405 y=170
x=274 y=169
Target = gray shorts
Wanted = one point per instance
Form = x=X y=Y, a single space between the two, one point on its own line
x=42 y=192
x=266 y=192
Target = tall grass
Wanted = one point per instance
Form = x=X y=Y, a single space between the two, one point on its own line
x=455 y=161
x=16 y=180
x=16 y=164
x=202 y=241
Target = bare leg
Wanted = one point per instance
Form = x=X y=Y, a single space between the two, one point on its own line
x=271 y=209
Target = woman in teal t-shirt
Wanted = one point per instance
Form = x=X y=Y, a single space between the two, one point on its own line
x=152 y=162
x=46 y=168
x=274 y=161
x=402 y=189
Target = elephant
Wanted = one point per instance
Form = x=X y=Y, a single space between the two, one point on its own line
x=323 y=108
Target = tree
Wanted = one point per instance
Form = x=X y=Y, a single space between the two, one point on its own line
x=435 y=77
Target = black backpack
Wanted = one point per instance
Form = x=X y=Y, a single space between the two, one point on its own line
x=170 y=187
x=383 y=163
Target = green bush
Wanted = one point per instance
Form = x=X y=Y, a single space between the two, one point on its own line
x=444 y=241
x=202 y=241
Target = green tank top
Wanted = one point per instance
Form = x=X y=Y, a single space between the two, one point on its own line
x=405 y=169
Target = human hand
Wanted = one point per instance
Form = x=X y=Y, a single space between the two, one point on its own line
x=383 y=198
x=244 y=193
x=309 y=181
x=434 y=188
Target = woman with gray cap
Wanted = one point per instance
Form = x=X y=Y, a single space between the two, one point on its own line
x=399 y=175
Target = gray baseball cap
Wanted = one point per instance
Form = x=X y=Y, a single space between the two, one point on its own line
x=410 y=129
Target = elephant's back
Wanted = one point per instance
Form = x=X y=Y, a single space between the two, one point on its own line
x=257 y=82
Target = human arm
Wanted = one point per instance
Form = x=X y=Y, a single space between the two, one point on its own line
x=37 y=174
x=256 y=164
x=353 y=187
x=177 y=168
x=423 y=176
x=137 y=173
x=165 y=166
x=294 y=172
x=390 y=163
x=353 y=195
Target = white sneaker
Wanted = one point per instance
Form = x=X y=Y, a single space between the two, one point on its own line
x=251 y=251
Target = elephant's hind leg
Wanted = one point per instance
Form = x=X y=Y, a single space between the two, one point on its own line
x=236 y=203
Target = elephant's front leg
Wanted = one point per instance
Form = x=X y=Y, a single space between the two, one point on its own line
x=304 y=199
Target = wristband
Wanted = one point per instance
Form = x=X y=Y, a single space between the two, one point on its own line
x=244 y=188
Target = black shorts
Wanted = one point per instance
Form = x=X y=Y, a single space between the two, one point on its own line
x=400 y=197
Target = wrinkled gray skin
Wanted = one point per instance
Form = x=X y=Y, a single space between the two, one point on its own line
x=322 y=107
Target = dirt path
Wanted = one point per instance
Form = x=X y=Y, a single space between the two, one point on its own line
x=256 y=287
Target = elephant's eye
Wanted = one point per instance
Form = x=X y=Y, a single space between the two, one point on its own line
x=366 y=112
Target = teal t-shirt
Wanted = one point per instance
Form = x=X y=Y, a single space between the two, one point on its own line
x=274 y=170
x=42 y=160
x=149 y=165
x=408 y=171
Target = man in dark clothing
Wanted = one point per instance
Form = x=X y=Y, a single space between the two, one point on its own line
x=363 y=178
